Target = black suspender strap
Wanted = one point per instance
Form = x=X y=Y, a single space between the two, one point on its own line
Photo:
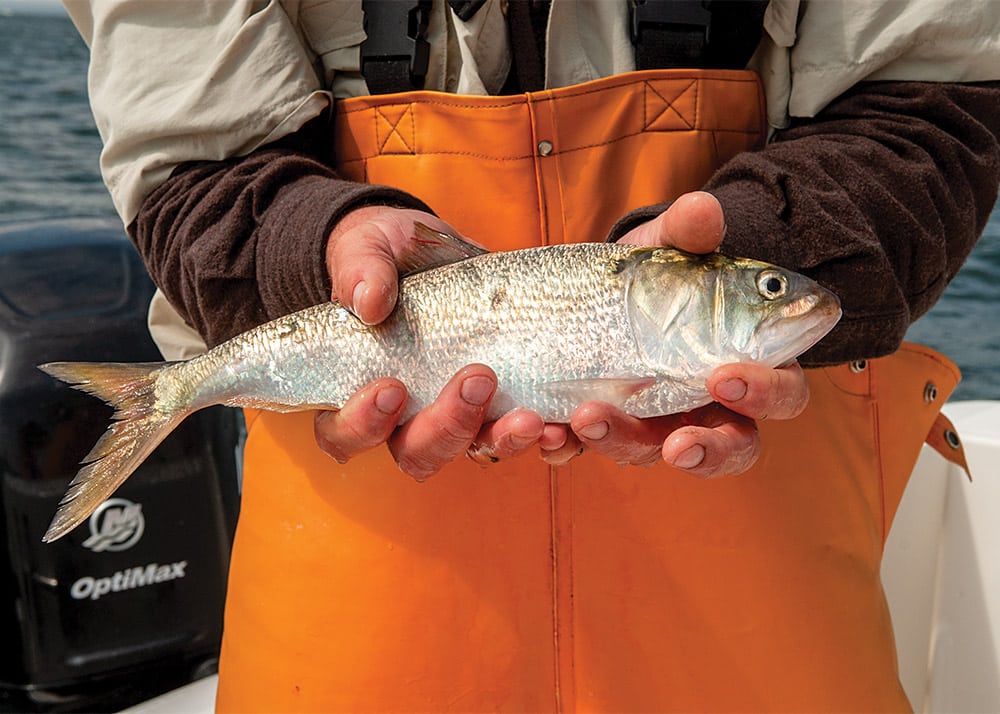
x=665 y=33
x=396 y=54
x=670 y=33
x=720 y=34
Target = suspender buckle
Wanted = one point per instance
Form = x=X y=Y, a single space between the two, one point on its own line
x=396 y=49
x=676 y=15
x=416 y=29
x=465 y=9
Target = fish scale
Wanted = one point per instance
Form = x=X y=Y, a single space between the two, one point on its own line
x=550 y=324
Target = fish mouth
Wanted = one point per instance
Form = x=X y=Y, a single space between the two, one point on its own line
x=797 y=327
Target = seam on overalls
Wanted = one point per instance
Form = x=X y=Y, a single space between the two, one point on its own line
x=877 y=437
x=697 y=104
x=635 y=80
x=443 y=101
x=554 y=551
x=934 y=356
x=471 y=154
x=433 y=102
x=560 y=184
x=543 y=219
x=522 y=157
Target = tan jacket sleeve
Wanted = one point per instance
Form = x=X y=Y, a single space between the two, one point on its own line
x=203 y=80
x=815 y=50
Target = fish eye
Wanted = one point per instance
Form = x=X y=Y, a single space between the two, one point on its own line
x=771 y=284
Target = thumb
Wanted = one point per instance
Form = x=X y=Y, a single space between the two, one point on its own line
x=694 y=223
x=361 y=266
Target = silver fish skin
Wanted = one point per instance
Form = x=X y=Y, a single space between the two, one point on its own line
x=638 y=327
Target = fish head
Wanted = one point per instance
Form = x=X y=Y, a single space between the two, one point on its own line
x=694 y=312
x=780 y=313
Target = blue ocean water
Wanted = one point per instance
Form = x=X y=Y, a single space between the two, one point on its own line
x=49 y=150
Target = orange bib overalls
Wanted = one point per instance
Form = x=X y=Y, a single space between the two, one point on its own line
x=526 y=588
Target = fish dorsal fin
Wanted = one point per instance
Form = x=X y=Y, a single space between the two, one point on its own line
x=431 y=248
x=614 y=390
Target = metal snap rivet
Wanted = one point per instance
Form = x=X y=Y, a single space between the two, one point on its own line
x=859 y=365
x=544 y=147
x=930 y=392
x=951 y=438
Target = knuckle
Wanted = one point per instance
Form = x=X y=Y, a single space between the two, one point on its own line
x=417 y=466
x=737 y=455
x=742 y=461
x=786 y=398
x=454 y=433
x=431 y=441
x=330 y=447
x=632 y=454
x=343 y=438
x=510 y=445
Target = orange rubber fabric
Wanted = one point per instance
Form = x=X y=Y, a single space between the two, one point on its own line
x=590 y=587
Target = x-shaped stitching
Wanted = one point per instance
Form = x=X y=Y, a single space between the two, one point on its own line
x=393 y=126
x=669 y=105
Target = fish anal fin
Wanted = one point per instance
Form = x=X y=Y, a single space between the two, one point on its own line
x=614 y=390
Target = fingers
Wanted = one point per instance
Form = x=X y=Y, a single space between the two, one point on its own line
x=510 y=435
x=558 y=445
x=446 y=428
x=618 y=436
x=760 y=392
x=711 y=441
x=720 y=443
x=434 y=437
x=694 y=222
x=365 y=421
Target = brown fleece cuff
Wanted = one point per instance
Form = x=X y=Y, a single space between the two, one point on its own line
x=291 y=250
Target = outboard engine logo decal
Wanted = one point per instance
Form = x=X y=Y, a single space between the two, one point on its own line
x=116 y=525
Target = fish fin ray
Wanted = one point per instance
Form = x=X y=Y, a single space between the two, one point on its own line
x=115 y=383
x=138 y=428
x=433 y=249
x=614 y=390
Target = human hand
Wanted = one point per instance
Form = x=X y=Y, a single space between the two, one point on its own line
x=364 y=253
x=366 y=250
x=717 y=439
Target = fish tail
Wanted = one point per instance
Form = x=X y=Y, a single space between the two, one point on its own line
x=138 y=427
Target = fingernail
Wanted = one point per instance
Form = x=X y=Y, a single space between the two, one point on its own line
x=388 y=400
x=477 y=390
x=359 y=292
x=594 y=432
x=690 y=457
x=522 y=439
x=732 y=390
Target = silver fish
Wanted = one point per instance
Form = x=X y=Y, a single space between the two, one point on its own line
x=638 y=327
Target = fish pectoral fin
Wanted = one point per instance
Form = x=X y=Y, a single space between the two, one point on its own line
x=614 y=390
x=430 y=248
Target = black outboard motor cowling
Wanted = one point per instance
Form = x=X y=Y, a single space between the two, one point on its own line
x=129 y=604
